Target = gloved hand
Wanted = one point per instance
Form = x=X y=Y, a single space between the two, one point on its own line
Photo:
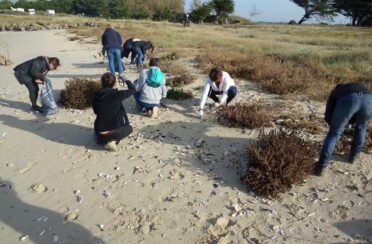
x=201 y=113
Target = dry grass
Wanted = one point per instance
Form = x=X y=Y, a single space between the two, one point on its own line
x=311 y=124
x=179 y=74
x=344 y=144
x=79 y=93
x=279 y=160
x=245 y=115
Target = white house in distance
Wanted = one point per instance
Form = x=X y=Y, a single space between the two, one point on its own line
x=31 y=11
x=50 y=12
x=21 y=10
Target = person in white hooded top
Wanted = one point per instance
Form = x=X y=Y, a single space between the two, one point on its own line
x=218 y=83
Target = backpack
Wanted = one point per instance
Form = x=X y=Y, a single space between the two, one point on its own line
x=155 y=77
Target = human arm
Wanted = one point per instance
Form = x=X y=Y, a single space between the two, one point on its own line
x=164 y=91
x=38 y=68
x=204 y=95
x=227 y=82
x=141 y=80
x=124 y=94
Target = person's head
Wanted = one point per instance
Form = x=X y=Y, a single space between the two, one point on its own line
x=53 y=63
x=108 y=26
x=215 y=74
x=154 y=62
x=151 y=46
x=108 y=80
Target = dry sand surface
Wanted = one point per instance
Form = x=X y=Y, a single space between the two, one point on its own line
x=57 y=186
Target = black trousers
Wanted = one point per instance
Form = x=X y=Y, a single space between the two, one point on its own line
x=231 y=93
x=33 y=88
x=116 y=135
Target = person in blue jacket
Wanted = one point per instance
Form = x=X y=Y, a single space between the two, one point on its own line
x=111 y=41
x=348 y=103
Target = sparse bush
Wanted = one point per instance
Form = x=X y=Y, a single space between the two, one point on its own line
x=247 y=116
x=279 y=160
x=178 y=94
x=344 y=144
x=179 y=74
x=78 y=93
x=292 y=22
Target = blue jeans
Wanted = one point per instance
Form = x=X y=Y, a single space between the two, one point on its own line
x=138 y=55
x=114 y=58
x=133 y=57
x=231 y=93
x=355 y=103
x=141 y=104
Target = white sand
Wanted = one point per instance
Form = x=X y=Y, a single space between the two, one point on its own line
x=159 y=189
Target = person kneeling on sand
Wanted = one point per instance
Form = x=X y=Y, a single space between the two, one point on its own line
x=32 y=73
x=218 y=83
x=150 y=88
x=348 y=103
x=112 y=124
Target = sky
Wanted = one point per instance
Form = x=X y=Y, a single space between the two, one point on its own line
x=271 y=11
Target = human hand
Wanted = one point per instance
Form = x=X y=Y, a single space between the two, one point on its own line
x=201 y=113
x=38 y=81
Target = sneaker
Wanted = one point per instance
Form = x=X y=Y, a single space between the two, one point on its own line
x=319 y=170
x=353 y=158
x=155 y=111
x=37 y=109
x=111 y=146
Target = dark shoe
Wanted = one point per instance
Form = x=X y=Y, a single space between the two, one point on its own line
x=37 y=109
x=353 y=158
x=319 y=170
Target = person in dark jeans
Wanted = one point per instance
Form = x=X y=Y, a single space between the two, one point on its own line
x=218 y=83
x=111 y=41
x=139 y=50
x=348 y=103
x=32 y=73
x=111 y=124
x=128 y=49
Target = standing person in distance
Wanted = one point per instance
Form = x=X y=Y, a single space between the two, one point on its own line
x=111 y=42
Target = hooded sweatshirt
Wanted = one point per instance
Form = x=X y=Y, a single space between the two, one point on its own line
x=150 y=95
x=107 y=105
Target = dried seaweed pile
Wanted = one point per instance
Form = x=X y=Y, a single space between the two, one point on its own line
x=247 y=116
x=178 y=73
x=279 y=160
x=78 y=93
x=310 y=124
x=344 y=144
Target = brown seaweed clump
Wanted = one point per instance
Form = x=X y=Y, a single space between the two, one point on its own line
x=246 y=116
x=279 y=160
x=79 y=93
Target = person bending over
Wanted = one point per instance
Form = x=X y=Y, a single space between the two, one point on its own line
x=111 y=124
x=32 y=73
x=218 y=83
x=111 y=42
x=348 y=103
x=140 y=49
x=150 y=88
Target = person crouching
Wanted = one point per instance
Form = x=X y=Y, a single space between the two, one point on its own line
x=150 y=88
x=111 y=124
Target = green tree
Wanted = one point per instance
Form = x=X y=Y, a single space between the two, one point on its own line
x=360 y=11
x=223 y=7
x=200 y=14
x=118 y=9
x=91 y=7
x=315 y=8
x=163 y=14
x=195 y=4
x=6 y=4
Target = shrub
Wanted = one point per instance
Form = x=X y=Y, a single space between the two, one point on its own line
x=244 y=115
x=78 y=93
x=279 y=160
x=292 y=22
x=344 y=144
x=179 y=74
x=178 y=94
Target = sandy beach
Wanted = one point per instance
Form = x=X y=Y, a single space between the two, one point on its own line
x=57 y=186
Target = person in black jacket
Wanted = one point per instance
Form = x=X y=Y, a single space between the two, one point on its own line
x=128 y=47
x=111 y=124
x=33 y=72
x=111 y=41
x=348 y=103
x=139 y=49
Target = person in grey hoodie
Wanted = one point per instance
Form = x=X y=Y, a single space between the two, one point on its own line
x=150 y=88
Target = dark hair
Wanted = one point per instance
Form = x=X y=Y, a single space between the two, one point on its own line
x=215 y=74
x=151 y=46
x=108 y=80
x=54 y=61
x=154 y=62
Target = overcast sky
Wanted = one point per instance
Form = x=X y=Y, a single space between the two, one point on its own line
x=270 y=10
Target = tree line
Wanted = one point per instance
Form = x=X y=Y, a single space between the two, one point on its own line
x=359 y=11
x=131 y=9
